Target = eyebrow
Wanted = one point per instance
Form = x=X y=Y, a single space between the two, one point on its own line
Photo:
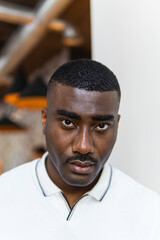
x=74 y=115
x=68 y=114
x=103 y=117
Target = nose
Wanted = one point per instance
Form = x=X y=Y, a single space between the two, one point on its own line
x=83 y=142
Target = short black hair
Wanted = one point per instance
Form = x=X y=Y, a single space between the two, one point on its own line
x=85 y=74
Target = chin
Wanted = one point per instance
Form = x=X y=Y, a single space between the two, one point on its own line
x=80 y=181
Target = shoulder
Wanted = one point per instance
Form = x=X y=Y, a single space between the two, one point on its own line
x=132 y=191
x=136 y=201
x=18 y=176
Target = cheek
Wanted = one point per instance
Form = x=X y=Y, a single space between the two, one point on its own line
x=57 y=139
x=105 y=144
x=112 y=138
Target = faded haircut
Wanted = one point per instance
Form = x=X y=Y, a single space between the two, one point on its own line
x=85 y=74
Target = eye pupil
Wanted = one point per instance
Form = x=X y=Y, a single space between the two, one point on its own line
x=101 y=125
x=67 y=122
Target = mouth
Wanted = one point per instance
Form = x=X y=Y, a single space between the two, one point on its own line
x=81 y=167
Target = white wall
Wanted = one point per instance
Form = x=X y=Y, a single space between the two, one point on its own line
x=126 y=38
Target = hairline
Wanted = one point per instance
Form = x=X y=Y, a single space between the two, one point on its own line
x=53 y=87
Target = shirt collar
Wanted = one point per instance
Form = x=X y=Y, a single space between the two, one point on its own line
x=103 y=184
x=49 y=188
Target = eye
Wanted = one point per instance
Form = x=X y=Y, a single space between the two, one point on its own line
x=67 y=123
x=102 y=126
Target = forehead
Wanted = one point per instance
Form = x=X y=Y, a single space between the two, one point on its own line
x=82 y=101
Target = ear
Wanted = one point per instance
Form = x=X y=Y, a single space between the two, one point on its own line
x=119 y=116
x=44 y=118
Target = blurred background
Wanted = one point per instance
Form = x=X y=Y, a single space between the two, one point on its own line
x=38 y=36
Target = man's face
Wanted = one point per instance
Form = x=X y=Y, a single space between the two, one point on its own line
x=81 y=129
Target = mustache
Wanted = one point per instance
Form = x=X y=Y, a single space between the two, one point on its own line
x=82 y=157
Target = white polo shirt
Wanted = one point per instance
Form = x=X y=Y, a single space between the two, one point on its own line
x=117 y=208
x=50 y=190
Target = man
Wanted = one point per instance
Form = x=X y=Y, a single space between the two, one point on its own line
x=72 y=192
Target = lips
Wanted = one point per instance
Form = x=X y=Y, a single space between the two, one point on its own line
x=81 y=167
